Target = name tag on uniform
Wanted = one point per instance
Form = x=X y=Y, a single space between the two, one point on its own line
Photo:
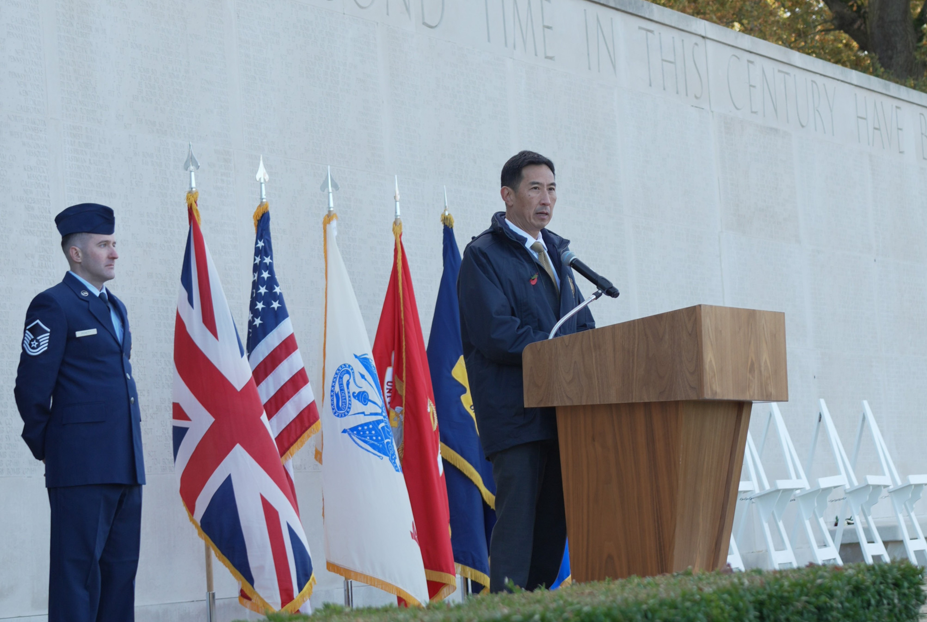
x=86 y=333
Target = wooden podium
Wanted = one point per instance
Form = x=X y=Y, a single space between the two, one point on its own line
x=653 y=416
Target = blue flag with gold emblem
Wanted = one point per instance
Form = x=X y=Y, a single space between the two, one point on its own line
x=470 y=487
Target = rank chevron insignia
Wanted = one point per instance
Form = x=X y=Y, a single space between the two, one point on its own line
x=35 y=339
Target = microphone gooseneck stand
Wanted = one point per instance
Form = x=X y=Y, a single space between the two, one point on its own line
x=588 y=301
x=603 y=287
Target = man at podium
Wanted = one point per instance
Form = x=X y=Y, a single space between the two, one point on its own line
x=513 y=288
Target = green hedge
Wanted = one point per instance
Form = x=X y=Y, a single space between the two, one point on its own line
x=854 y=593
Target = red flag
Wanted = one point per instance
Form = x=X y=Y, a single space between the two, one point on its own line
x=399 y=355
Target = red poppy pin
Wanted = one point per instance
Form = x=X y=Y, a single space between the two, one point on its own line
x=534 y=279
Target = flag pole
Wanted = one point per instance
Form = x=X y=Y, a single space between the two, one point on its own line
x=348 y=594
x=465 y=582
x=329 y=185
x=262 y=177
x=191 y=166
x=396 y=198
x=210 y=591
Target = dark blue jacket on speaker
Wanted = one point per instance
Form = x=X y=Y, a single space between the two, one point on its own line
x=506 y=302
x=75 y=390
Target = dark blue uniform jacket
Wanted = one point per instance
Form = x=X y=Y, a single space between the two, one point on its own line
x=507 y=301
x=77 y=395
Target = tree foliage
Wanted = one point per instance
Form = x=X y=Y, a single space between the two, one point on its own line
x=885 y=38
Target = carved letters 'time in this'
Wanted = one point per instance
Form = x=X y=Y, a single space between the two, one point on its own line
x=521 y=26
x=675 y=63
x=600 y=41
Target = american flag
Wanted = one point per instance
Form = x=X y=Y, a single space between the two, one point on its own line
x=232 y=482
x=274 y=357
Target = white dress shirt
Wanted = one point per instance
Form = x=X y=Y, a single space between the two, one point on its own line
x=529 y=241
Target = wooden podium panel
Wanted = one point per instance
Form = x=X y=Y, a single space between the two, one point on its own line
x=641 y=486
x=697 y=353
x=652 y=417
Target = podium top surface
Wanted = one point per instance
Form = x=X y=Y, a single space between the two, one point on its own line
x=698 y=353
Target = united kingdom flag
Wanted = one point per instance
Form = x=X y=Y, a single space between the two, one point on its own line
x=232 y=482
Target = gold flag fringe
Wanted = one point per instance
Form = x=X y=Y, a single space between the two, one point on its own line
x=447 y=219
x=316 y=427
x=449 y=581
x=467 y=469
x=290 y=608
x=256 y=600
x=192 y=201
x=262 y=209
x=374 y=582
x=472 y=574
x=329 y=218
x=397 y=237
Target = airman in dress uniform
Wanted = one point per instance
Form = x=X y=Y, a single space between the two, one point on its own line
x=77 y=396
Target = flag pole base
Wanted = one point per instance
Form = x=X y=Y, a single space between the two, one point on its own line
x=210 y=589
x=348 y=594
x=211 y=607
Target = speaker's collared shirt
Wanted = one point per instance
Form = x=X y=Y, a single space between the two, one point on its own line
x=117 y=321
x=529 y=241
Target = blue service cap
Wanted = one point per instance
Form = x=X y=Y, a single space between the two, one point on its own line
x=86 y=218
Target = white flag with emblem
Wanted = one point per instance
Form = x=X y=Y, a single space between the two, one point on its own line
x=370 y=534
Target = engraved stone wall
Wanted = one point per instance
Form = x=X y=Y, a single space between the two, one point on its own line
x=694 y=165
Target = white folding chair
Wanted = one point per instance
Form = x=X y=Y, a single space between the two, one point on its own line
x=860 y=495
x=812 y=502
x=733 y=555
x=771 y=500
x=904 y=494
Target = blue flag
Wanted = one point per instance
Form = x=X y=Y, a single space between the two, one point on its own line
x=468 y=475
x=563 y=577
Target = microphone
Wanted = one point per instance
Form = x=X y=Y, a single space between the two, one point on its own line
x=569 y=258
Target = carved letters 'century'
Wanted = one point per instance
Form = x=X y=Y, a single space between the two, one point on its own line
x=784 y=95
x=636 y=53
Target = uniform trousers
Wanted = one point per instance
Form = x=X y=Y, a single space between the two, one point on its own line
x=95 y=533
x=530 y=533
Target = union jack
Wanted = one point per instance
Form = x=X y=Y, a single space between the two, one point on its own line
x=232 y=482
x=276 y=364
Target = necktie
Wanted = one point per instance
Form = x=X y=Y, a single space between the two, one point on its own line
x=105 y=298
x=544 y=260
